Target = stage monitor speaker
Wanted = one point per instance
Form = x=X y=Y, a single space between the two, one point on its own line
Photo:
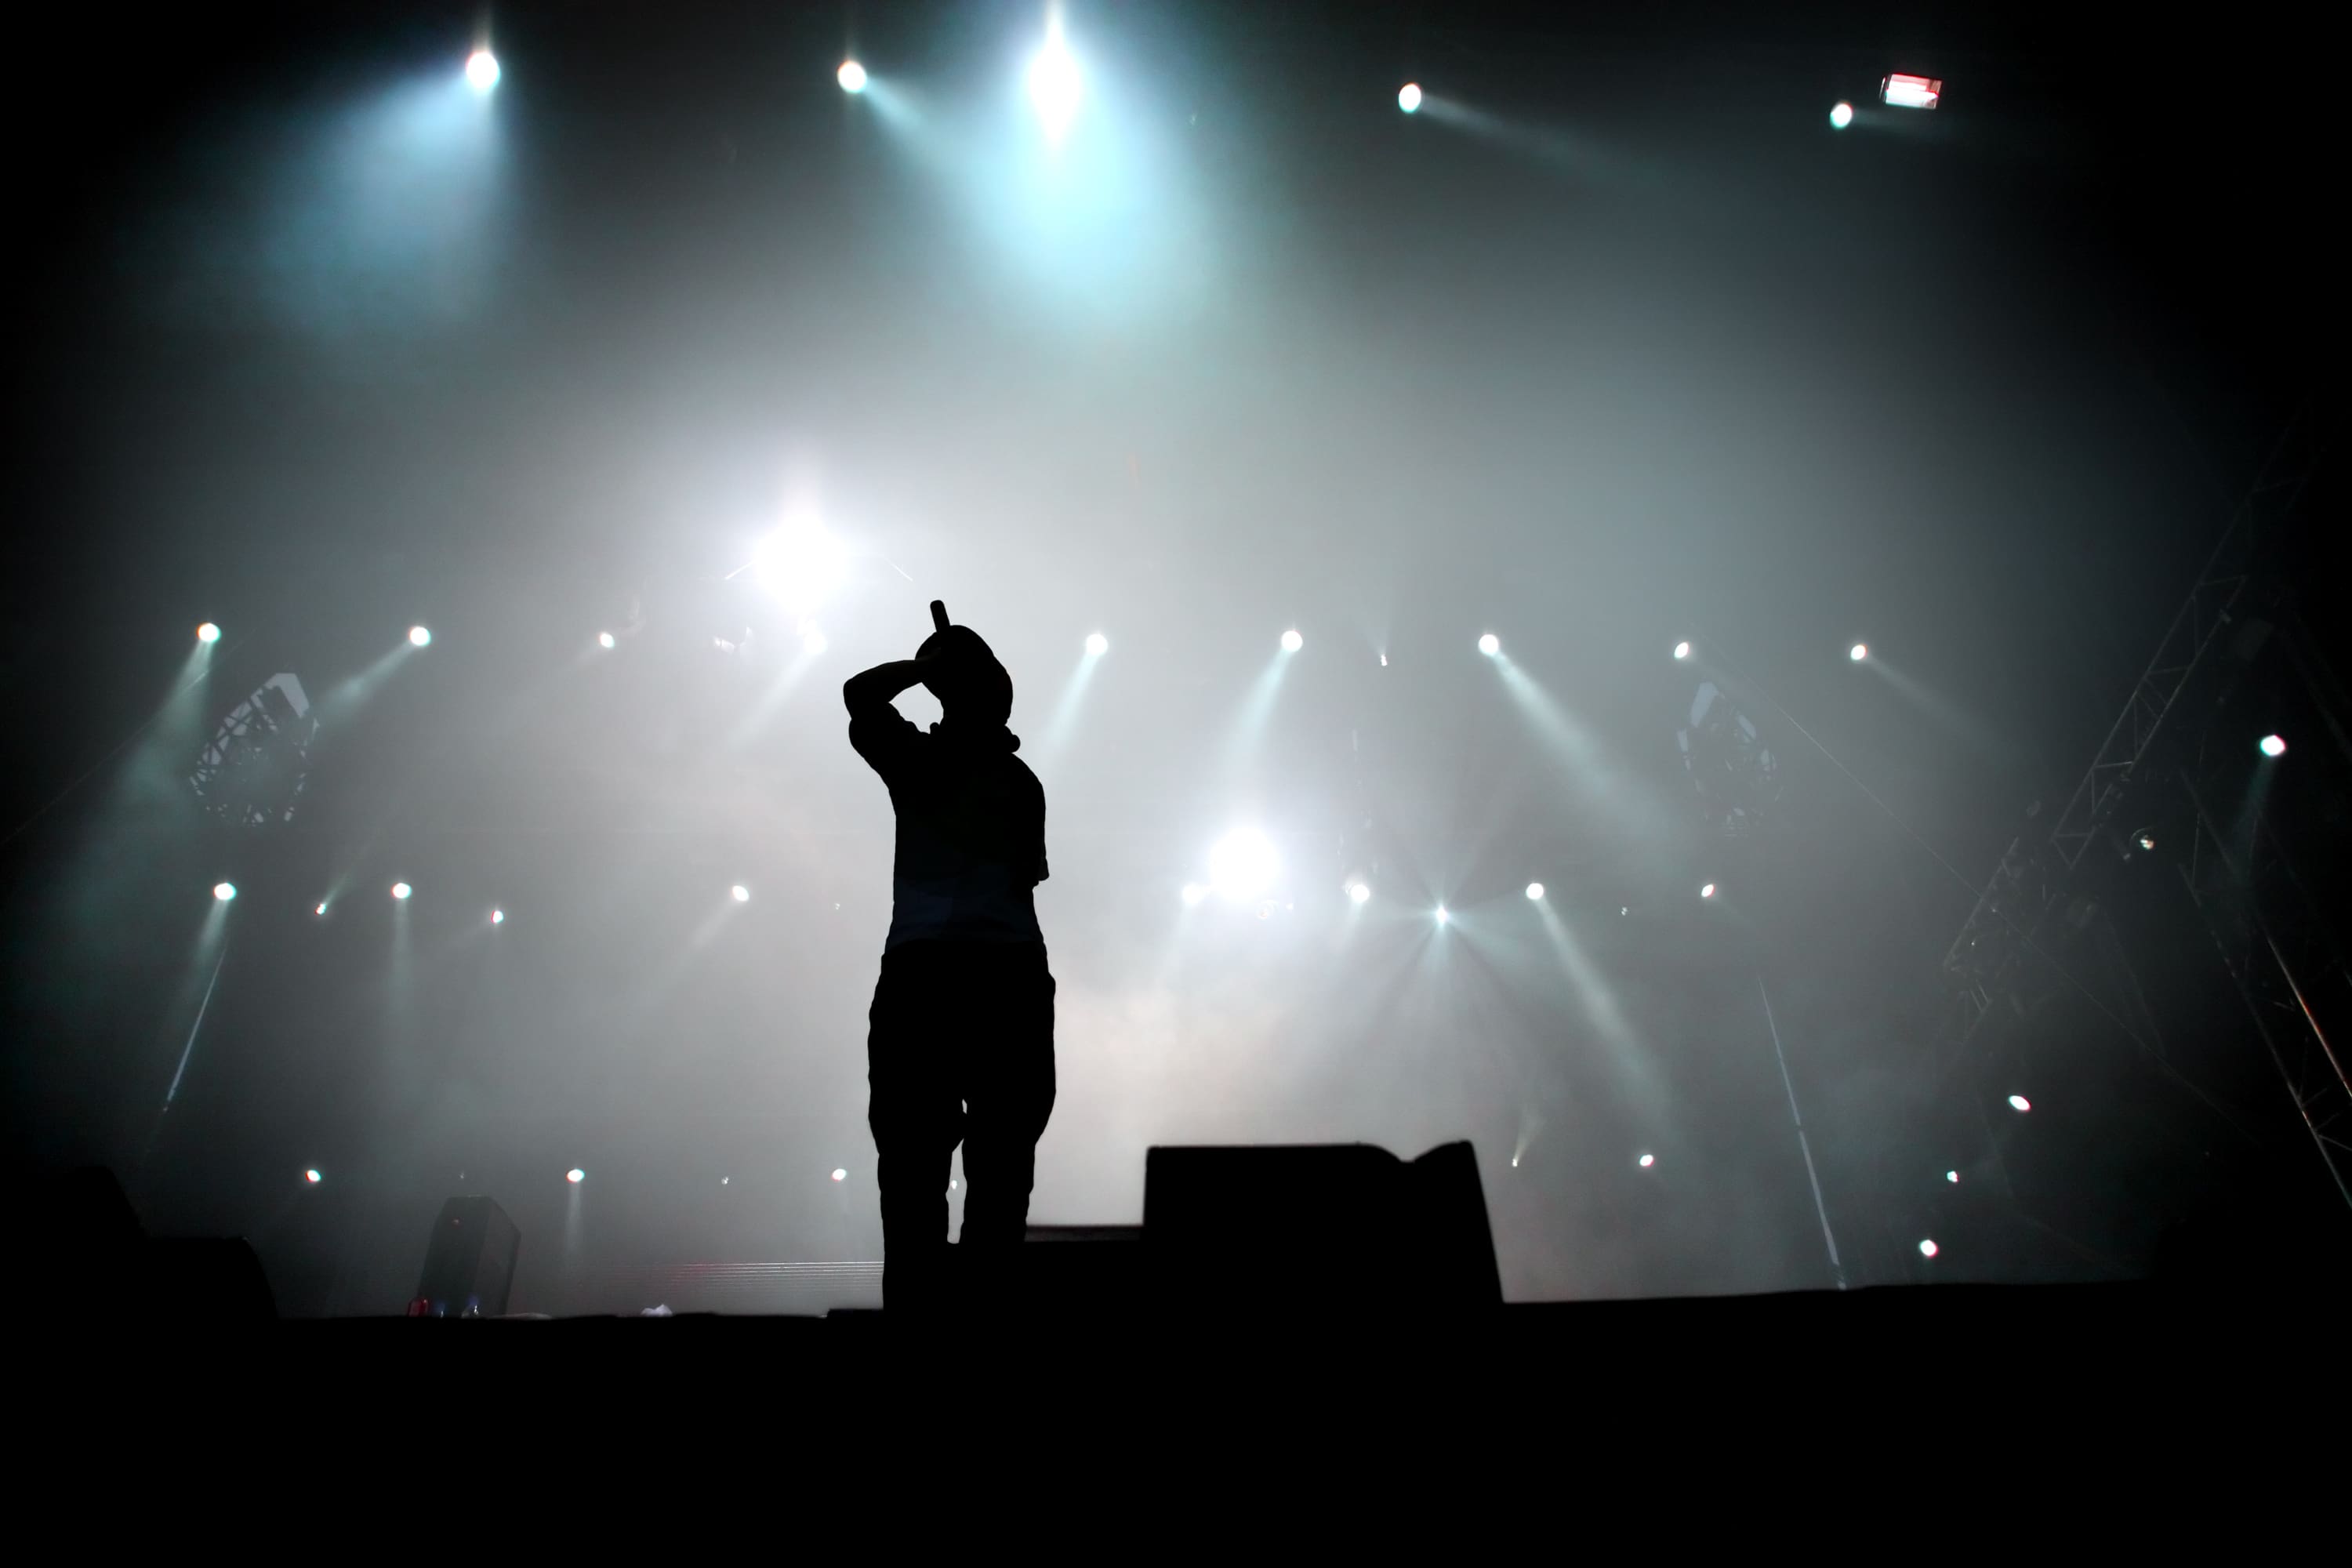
x=470 y=1263
x=1324 y=1228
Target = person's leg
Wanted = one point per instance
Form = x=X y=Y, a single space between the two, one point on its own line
x=916 y=1116
x=1008 y=1088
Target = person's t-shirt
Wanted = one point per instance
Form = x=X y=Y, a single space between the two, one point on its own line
x=971 y=831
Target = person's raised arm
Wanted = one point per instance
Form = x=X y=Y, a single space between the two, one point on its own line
x=876 y=687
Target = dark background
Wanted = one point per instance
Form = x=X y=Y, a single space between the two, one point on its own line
x=1631 y=348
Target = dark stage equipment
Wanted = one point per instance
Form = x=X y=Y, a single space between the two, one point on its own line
x=2262 y=921
x=91 y=1251
x=1318 y=1227
x=469 y=1262
x=1734 y=771
x=253 y=769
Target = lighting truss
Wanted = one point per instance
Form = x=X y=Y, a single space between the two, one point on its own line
x=253 y=769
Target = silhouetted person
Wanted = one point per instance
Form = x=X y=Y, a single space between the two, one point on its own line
x=961 y=1042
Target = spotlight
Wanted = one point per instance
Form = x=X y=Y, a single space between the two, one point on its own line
x=498 y=917
x=1952 y=1176
x=1858 y=652
x=2273 y=746
x=1358 y=893
x=311 y=1175
x=1442 y=918
x=2018 y=1102
x=1707 y=891
x=852 y=77
x=723 y=1179
x=482 y=71
x=812 y=642
x=208 y=633
x=402 y=890
x=224 y=892
x=1409 y=97
x=1490 y=645
x=1682 y=650
x=801 y=565
x=1054 y=82
x=605 y=639
x=1535 y=891
x=1842 y=116
x=2147 y=840
x=575 y=1175
x=1292 y=642
x=1928 y=1249
x=419 y=637
x=839 y=1174
x=1384 y=661
x=1243 y=863
x=740 y=893
x=1097 y=645
x=1911 y=91
x=1646 y=1160
x=1195 y=894
x=322 y=908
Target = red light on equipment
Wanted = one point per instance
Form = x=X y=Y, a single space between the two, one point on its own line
x=1902 y=91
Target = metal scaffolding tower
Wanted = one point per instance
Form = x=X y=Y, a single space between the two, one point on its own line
x=2289 y=969
x=2030 y=884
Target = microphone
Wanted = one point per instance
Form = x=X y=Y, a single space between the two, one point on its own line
x=938 y=614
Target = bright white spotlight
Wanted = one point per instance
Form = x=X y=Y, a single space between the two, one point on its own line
x=1358 y=893
x=1195 y=894
x=839 y=1174
x=419 y=637
x=1707 y=891
x=208 y=633
x=1858 y=652
x=1054 y=82
x=482 y=71
x=1490 y=645
x=575 y=1175
x=224 y=892
x=801 y=565
x=1928 y=1249
x=2147 y=840
x=310 y=1175
x=1535 y=891
x=1682 y=650
x=2273 y=746
x=740 y=893
x=2018 y=1102
x=1646 y=1160
x=401 y=890
x=852 y=77
x=1951 y=1177
x=1292 y=642
x=1911 y=91
x=1409 y=97
x=605 y=639
x=1097 y=645
x=498 y=917
x=1842 y=116
x=1442 y=917
x=322 y=908
x=1243 y=865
